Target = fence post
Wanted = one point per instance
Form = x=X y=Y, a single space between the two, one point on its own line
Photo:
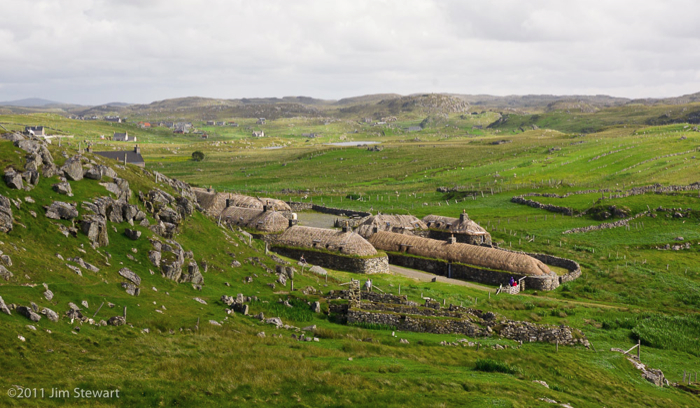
x=639 y=350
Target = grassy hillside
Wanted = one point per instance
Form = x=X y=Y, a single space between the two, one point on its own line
x=629 y=291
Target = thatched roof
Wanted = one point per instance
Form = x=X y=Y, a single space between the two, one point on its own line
x=347 y=243
x=462 y=225
x=251 y=218
x=463 y=253
x=404 y=224
x=213 y=202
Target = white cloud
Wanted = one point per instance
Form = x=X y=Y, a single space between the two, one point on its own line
x=94 y=51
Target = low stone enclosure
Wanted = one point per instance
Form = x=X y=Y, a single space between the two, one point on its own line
x=367 y=265
x=355 y=307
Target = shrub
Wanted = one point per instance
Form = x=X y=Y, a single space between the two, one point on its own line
x=197 y=156
x=494 y=366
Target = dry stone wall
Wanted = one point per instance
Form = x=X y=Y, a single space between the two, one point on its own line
x=470 y=273
x=379 y=264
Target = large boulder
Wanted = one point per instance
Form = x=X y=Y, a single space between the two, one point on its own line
x=193 y=275
x=4 y=308
x=13 y=179
x=31 y=177
x=63 y=188
x=154 y=257
x=132 y=234
x=6 y=218
x=50 y=314
x=28 y=313
x=95 y=227
x=73 y=168
x=59 y=210
x=131 y=289
x=130 y=275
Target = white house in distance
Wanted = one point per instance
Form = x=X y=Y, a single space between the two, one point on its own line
x=258 y=133
x=123 y=137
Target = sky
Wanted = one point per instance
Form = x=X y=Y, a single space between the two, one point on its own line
x=139 y=51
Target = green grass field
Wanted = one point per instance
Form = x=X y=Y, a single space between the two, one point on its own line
x=629 y=290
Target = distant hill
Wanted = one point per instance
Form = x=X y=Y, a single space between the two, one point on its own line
x=30 y=103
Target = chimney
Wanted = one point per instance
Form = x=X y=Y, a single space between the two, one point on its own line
x=346 y=227
x=228 y=202
x=463 y=217
x=137 y=149
x=452 y=239
x=266 y=206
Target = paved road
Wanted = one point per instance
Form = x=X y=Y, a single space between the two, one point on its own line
x=427 y=277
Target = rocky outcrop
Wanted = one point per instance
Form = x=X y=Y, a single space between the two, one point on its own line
x=59 y=210
x=28 y=313
x=116 y=321
x=119 y=187
x=73 y=168
x=175 y=264
x=98 y=171
x=6 y=217
x=95 y=227
x=130 y=275
x=4 y=308
x=13 y=179
x=4 y=273
x=63 y=188
x=50 y=314
x=132 y=234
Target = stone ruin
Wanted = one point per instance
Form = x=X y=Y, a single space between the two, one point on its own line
x=402 y=314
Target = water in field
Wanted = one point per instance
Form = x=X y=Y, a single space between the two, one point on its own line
x=318 y=220
x=351 y=143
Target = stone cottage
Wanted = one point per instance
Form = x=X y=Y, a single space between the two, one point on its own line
x=463 y=229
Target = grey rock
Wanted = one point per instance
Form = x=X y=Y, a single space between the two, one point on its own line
x=214 y=323
x=130 y=275
x=199 y=300
x=6 y=217
x=274 y=320
x=73 y=169
x=282 y=279
x=63 y=188
x=131 y=289
x=116 y=321
x=5 y=274
x=95 y=227
x=4 y=308
x=59 y=210
x=318 y=270
x=48 y=295
x=50 y=314
x=316 y=307
x=309 y=328
x=14 y=179
x=132 y=234
x=155 y=257
x=261 y=334
x=28 y=313
x=6 y=259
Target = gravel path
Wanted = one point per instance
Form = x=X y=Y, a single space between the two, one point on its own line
x=427 y=277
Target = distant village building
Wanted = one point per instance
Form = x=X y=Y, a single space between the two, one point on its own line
x=144 y=125
x=414 y=128
x=126 y=157
x=220 y=123
x=123 y=137
x=210 y=123
x=34 y=130
x=115 y=119
x=463 y=229
x=257 y=133
x=367 y=120
x=233 y=124
x=260 y=121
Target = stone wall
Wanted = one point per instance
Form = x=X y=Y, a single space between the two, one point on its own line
x=470 y=273
x=546 y=207
x=570 y=265
x=416 y=323
x=296 y=206
x=379 y=264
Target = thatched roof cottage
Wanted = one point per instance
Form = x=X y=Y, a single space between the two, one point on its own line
x=265 y=220
x=214 y=203
x=463 y=261
x=402 y=224
x=465 y=230
x=341 y=250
